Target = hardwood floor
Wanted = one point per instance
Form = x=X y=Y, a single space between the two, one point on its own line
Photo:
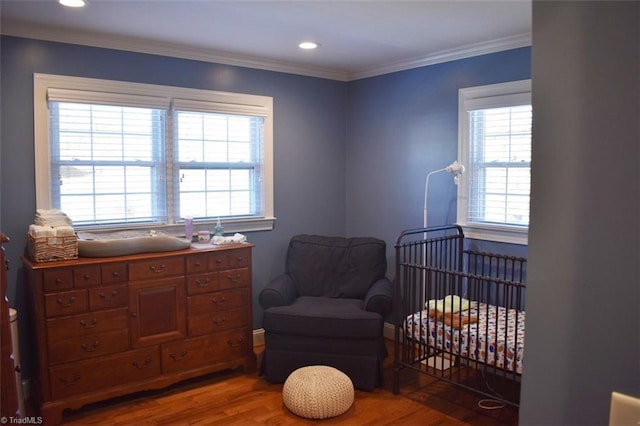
x=234 y=398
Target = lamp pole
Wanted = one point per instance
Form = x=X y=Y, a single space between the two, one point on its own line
x=454 y=168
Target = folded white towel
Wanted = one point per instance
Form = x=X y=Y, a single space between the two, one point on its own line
x=64 y=231
x=38 y=231
x=51 y=217
x=236 y=239
x=50 y=213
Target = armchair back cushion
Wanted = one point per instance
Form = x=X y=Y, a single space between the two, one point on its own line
x=323 y=266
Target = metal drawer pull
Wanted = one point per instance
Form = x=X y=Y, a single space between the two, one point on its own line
x=91 y=348
x=235 y=343
x=103 y=296
x=235 y=278
x=147 y=363
x=157 y=270
x=219 y=321
x=206 y=282
x=84 y=324
x=87 y=277
x=66 y=305
x=180 y=357
x=217 y=301
x=70 y=381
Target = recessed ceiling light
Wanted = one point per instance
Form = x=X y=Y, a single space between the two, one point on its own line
x=309 y=45
x=72 y=3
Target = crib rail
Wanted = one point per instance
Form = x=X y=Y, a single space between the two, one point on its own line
x=473 y=346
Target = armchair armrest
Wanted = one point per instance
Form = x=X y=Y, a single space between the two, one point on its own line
x=379 y=298
x=279 y=292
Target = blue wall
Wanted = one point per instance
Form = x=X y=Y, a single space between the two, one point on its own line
x=309 y=139
x=349 y=158
x=404 y=125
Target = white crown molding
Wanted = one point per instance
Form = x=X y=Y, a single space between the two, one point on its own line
x=84 y=38
x=110 y=41
x=476 y=49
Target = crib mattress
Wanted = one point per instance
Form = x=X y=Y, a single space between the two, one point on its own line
x=496 y=339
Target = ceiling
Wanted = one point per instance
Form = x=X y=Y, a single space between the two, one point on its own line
x=358 y=38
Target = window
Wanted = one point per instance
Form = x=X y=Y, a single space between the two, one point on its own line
x=121 y=155
x=495 y=146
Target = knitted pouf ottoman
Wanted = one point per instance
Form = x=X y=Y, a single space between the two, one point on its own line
x=318 y=392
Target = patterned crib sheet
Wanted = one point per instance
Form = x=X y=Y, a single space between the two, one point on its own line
x=499 y=331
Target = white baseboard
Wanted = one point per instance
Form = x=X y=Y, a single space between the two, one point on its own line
x=258 y=337
x=258 y=334
x=389 y=331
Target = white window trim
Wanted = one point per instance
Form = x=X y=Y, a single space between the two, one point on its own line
x=43 y=82
x=502 y=93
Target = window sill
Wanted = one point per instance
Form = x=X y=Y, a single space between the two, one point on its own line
x=231 y=226
x=503 y=234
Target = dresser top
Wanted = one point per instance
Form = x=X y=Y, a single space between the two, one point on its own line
x=80 y=261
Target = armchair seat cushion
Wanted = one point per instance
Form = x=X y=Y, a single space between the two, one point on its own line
x=324 y=317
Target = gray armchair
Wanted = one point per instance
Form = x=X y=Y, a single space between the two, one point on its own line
x=328 y=308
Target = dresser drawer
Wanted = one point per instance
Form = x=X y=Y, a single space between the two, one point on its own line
x=157 y=268
x=197 y=263
x=217 y=321
x=240 y=258
x=205 y=350
x=90 y=346
x=114 y=273
x=103 y=373
x=66 y=303
x=206 y=304
x=108 y=297
x=234 y=278
x=218 y=260
x=203 y=283
x=83 y=325
x=87 y=276
x=57 y=280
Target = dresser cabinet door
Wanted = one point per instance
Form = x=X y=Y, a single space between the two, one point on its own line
x=157 y=311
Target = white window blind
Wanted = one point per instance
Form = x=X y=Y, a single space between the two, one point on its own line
x=500 y=165
x=55 y=94
x=495 y=147
x=123 y=154
x=219 y=159
x=107 y=163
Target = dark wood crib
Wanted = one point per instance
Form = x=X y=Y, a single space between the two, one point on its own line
x=459 y=313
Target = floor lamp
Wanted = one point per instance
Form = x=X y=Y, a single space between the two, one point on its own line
x=436 y=361
x=455 y=168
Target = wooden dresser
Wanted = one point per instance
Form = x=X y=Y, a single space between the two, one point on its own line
x=106 y=327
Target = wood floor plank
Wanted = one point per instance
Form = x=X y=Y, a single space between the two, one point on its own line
x=235 y=398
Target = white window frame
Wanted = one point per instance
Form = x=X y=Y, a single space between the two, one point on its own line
x=489 y=96
x=231 y=101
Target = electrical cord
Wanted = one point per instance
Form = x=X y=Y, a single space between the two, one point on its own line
x=489 y=403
